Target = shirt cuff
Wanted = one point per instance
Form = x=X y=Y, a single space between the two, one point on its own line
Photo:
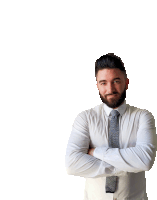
x=99 y=152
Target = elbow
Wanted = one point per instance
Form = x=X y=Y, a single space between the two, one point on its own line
x=142 y=167
x=146 y=168
x=69 y=171
x=68 y=166
x=149 y=166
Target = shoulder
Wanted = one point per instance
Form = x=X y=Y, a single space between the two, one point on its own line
x=89 y=113
x=142 y=114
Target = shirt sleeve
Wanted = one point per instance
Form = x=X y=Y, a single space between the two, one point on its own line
x=77 y=160
x=138 y=158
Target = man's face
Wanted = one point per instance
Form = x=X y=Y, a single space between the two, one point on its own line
x=112 y=86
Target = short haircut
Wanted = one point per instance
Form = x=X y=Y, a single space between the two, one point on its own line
x=109 y=61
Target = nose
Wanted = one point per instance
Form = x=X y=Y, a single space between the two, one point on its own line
x=110 y=88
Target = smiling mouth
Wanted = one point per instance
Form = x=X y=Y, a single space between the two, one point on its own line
x=112 y=95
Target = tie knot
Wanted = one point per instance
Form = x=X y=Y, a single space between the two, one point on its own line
x=114 y=113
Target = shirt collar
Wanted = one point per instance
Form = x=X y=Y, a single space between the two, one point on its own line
x=121 y=109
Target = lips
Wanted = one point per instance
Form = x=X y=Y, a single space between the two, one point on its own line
x=113 y=94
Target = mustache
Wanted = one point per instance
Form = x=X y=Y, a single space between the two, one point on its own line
x=111 y=94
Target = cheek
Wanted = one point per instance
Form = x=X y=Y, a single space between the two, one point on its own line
x=120 y=88
x=102 y=90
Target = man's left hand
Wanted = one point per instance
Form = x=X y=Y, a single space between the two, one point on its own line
x=91 y=151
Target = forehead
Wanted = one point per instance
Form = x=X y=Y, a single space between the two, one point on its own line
x=109 y=74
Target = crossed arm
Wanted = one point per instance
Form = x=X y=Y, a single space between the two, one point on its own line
x=77 y=160
x=104 y=161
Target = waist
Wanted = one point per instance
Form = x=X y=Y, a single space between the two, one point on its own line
x=131 y=186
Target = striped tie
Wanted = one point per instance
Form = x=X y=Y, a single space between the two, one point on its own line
x=111 y=182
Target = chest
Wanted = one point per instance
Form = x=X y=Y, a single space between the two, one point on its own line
x=99 y=130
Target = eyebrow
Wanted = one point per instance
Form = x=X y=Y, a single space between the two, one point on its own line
x=112 y=80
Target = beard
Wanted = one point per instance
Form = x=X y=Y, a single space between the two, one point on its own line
x=114 y=102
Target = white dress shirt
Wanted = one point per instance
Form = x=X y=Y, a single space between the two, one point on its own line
x=137 y=140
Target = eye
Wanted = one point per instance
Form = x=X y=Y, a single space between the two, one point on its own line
x=116 y=81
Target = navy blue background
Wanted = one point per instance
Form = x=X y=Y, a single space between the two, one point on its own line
x=48 y=52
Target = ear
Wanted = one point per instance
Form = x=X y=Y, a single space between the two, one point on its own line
x=127 y=83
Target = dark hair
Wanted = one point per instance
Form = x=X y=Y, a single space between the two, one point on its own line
x=109 y=61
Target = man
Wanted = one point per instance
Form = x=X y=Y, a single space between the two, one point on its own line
x=112 y=144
